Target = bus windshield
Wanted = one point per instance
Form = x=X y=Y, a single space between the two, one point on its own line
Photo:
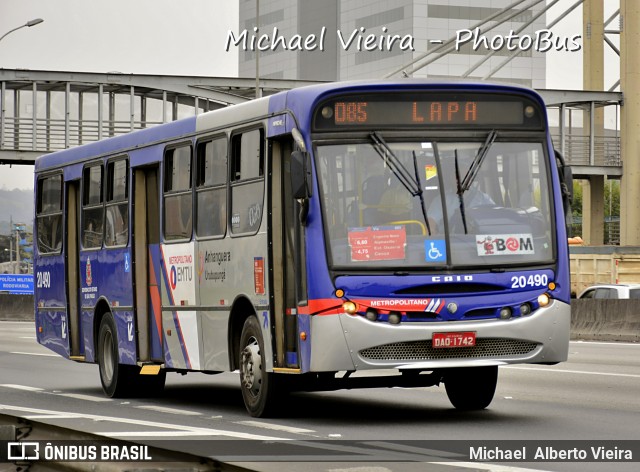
x=434 y=204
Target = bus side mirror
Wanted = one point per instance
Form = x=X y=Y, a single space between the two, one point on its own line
x=566 y=185
x=300 y=175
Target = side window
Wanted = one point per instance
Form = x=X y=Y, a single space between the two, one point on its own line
x=589 y=294
x=606 y=293
x=178 y=222
x=117 y=205
x=247 y=181
x=92 y=207
x=211 y=188
x=49 y=214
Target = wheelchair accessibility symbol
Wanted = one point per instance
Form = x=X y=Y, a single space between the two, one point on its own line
x=435 y=250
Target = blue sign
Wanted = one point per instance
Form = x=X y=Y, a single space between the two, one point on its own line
x=435 y=250
x=16 y=284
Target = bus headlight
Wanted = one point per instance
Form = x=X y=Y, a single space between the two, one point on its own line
x=371 y=315
x=525 y=309
x=395 y=317
x=350 y=308
x=505 y=313
x=544 y=300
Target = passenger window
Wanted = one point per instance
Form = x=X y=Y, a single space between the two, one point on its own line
x=49 y=214
x=92 y=207
x=117 y=206
x=247 y=181
x=178 y=221
x=211 y=188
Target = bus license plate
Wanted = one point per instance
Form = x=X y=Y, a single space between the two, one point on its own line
x=448 y=340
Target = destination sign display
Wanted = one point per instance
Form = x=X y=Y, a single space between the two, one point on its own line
x=428 y=110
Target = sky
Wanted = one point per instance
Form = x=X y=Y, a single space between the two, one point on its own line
x=172 y=37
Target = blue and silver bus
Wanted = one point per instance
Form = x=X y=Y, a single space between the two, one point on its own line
x=410 y=230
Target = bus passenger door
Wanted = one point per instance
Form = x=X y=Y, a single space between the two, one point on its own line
x=146 y=262
x=287 y=259
x=72 y=268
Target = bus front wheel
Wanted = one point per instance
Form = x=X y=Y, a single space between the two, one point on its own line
x=471 y=388
x=258 y=386
x=116 y=378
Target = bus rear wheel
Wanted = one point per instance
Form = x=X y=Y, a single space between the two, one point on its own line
x=258 y=386
x=117 y=379
x=471 y=388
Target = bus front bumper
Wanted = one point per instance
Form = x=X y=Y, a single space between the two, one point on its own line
x=344 y=342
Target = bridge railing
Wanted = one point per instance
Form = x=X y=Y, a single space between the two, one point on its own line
x=577 y=150
x=27 y=134
x=47 y=135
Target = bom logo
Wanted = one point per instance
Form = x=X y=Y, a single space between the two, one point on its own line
x=501 y=245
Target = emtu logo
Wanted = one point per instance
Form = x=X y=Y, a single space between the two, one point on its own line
x=173 y=277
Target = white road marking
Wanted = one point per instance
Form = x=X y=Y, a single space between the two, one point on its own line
x=173 y=411
x=89 y=398
x=44 y=354
x=28 y=337
x=565 y=371
x=22 y=387
x=610 y=343
x=275 y=427
x=49 y=417
x=150 y=424
x=153 y=434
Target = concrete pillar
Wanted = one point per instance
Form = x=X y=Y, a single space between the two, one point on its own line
x=630 y=122
x=593 y=79
x=593 y=210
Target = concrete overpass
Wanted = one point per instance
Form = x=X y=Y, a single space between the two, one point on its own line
x=45 y=111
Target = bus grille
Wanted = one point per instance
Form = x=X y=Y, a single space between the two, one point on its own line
x=423 y=350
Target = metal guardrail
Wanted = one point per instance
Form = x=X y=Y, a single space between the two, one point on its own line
x=577 y=149
x=47 y=135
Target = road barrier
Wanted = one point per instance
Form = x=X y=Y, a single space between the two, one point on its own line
x=16 y=307
x=605 y=320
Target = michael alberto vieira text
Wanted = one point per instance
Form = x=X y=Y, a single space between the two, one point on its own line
x=550 y=453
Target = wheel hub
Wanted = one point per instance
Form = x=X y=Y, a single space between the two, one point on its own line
x=251 y=367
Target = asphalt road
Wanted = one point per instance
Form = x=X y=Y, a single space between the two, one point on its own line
x=592 y=398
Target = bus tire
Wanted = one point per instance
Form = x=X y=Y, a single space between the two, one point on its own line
x=471 y=388
x=116 y=378
x=258 y=386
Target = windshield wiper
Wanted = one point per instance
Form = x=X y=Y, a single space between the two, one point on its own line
x=411 y=183
x=396 y=166
x=470 y=176
x=460 y=192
